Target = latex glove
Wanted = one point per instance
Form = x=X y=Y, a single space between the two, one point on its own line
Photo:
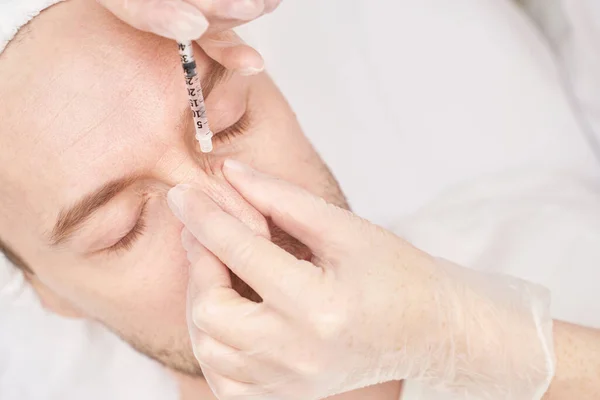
x=207 y=21
x=367 y=308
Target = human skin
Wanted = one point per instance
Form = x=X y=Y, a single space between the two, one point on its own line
x=93 y=100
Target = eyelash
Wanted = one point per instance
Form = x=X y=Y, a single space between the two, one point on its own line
x=127 y=241
x=237 y=129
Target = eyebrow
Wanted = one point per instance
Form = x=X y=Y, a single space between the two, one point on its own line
x=216 y=73
x=71 y=218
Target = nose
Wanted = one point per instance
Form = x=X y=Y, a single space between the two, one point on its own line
x=208 y=177
x=222 y=193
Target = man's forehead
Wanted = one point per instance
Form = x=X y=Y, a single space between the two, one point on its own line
x=79 y=64
x=86 y=89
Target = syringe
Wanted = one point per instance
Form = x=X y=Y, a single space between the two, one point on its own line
x=194 y=90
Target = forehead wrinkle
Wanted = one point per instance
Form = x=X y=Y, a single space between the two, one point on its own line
x=116 y=108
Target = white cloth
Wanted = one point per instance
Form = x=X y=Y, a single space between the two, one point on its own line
x=540 y=226
x=573 y=28
x=440 y=92
x=14 y=14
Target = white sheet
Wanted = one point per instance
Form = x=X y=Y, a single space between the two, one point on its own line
x=446 y=91
x=540 y=226
x=573 y=28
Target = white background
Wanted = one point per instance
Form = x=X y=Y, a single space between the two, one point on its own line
x=404 y=98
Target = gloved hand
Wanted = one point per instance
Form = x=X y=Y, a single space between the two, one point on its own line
x=367 y=308
x=190 y=20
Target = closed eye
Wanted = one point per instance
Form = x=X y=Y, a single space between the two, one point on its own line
x=237 y=129
x=127 y=241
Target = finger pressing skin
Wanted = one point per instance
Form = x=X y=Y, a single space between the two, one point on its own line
x=229 y=50
x=228 y=389
x=230 y=201
x=188 y=241
x=206 y=271
x=323 y=227
x=271 y=5
x=242 y=10
x=236 y=321
x=225 y=360
x=271 y=271
x=173 y=19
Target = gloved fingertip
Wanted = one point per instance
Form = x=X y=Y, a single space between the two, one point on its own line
x=251 y=61
x=195 y=254
x=188 y=240
x=175 y=199
x=271 y=5
x=237 y=166
x=250 y=71
x=178 y=20
x=244 y=10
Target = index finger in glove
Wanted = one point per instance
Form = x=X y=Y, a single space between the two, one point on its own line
x=229 y=50
x=173 y=19
x=271 y=271
x=326 y=229
x=241 y=10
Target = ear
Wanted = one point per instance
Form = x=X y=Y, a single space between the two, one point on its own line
x=51 y=301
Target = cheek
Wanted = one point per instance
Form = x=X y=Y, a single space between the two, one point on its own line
x=277 y=144
x=151 y=295
x=155 y=291
x=288 y=154
x=142 y=291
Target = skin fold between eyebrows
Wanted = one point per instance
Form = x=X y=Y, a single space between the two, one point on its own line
x=71 y=219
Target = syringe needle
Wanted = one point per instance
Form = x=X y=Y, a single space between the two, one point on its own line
x=194 y=90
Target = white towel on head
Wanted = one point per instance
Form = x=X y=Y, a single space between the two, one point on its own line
x=14 y=14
